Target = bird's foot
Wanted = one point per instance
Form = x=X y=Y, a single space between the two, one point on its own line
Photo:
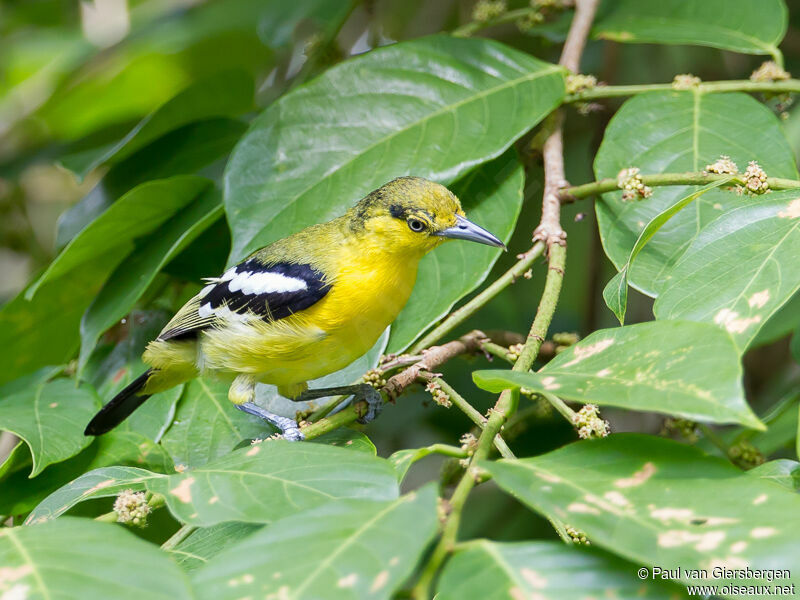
x=288 y=427
x=374 y=402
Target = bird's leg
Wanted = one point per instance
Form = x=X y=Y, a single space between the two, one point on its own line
x=242 y=393
x=361 y=391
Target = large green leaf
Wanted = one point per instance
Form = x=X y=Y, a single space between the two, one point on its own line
x=50 y=417
x=223 y=94
x=207 y=425
x=493 y=571
x=616 y=291
x=135 y=273
x=21 y=495
x=663 y=132
x=660 y=503
x=134 y=215
x=206 y=542
x=740 y=269
x=45 y=330
x=80 y=558
x=433 y=107
x=345 y=549
x=181 y=152
x=783 y=471
x=258 y=484
x=673 y=367
x=739 y=25
x=492 y=196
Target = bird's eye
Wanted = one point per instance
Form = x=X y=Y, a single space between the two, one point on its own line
x=416 y=225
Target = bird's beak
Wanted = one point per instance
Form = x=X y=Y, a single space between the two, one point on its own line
x=464 y=229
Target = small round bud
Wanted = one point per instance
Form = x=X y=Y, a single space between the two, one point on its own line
x=438 y=394
x=723 y=166
x=755 y=179
x=769 y=71
x=630 y=182
x=746 y=455
x=579 y=83
x=578 y=537
x=488 y=10
x=685 y=81
x=589 y=424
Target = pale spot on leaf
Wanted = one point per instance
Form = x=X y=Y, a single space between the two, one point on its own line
x=380 y=580
x=738 y=547
x=533 y=578
x=584 y=352
x=549 y=477
x=213 y=500
x=729 y=562
x=730 y=320
x=183 y=490
x=604 y=373
x=394 y=561
x=253 y=451
x=763 y=532
x=759 y=299
x=703 y=542
x=638 y=478
x=792 y=210
x=348 y=581
x=18 y=591
x=672 y=514
x=580 y=507
x=53 y=404
x=12 y=574
x=517 y=594
x=100 y=486
x=760 y=499
x=549 y=383
x=616 y=498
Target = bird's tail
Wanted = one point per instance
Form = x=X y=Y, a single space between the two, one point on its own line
x=120 y=407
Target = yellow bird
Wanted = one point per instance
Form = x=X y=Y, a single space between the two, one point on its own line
x=304 y=306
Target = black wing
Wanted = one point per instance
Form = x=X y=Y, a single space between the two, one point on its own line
x=247 y=291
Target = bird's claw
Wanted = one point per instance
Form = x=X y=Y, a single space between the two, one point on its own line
x=374 y=402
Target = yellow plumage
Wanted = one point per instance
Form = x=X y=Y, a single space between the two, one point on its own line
x=350 y=277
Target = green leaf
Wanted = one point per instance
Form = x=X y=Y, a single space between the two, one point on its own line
x=403 y=459
x=21 y=495
x=135 y=214
x=783 y=471
x=135 y=273
x=740 y=269
x=44 y=331
x=781 y=324
x=435 y=107
x=344 y=437
x=50 y=417
x=223 y=94
x=80 y=558
x=616 y=292
x=494 y=571
x=795 y=345
x=668 y=132
x=363 y=548
x=259 y=484
x=182 y=152
x=679 y=368
x=491 y=195
x=660 y=503
x=739 y=25
x=206 y=542
x=207 y=425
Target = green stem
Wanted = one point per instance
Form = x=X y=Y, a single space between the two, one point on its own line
x=498 y=351
x=560 y=406
x=505 y=407
x=455 y=318
x=715 y=439
x=473 y=414
x=447 y=450
x=734 y=85
x=178 y=537
x=602 y=186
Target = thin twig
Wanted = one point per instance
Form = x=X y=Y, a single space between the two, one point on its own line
x=460 y=315
x=742 y=85
x=601 y=186
x=178 y=537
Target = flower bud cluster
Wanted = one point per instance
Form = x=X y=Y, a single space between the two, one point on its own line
x=488 y=10
x=514 y=351
x=374 y=377
x=755 y=179
x=746 y=455
x=630 y=182
x=589 y=424
x=769 y=71
x=578 y=537
x=132 y=508
x=685 y=81
x=684 y=427
x=579 y=83
x=722 y=166
x=438 y=394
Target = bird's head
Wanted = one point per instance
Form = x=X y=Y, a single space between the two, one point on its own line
x=414 y=215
